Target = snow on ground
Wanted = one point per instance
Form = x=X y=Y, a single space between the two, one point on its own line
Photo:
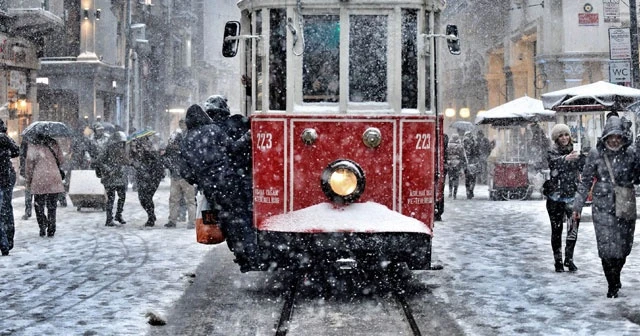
x=95 y=280
x=499 y=277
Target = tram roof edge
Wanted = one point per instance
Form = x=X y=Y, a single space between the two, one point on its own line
x=435 y=5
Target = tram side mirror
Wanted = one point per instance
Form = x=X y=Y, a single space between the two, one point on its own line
x=453 y=42
x=230 y=40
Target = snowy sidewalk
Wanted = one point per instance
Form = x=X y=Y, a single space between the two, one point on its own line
x=95 y=280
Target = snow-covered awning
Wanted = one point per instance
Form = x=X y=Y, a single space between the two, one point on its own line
x=517 y=111
x=599 y=95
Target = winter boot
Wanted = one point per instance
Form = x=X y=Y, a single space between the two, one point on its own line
x=120 y=219
x=557 y=256
x=568 y=256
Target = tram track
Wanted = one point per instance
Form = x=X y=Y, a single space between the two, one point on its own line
x=394 y=289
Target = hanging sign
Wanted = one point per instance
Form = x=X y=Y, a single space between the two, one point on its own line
x=620 y=72
x=611 y=10
x=619 y=43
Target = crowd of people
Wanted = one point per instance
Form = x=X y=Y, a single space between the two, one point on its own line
x=209 y=152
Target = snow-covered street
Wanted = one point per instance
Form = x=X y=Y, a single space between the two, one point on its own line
x=498 y=276
x=95 y=280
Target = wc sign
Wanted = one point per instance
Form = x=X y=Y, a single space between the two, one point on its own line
x=620 y=73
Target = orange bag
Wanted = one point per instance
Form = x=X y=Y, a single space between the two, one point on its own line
x=207 y=231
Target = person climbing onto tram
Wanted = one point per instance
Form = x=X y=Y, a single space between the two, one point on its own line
x=205 y=161
x=565 y=166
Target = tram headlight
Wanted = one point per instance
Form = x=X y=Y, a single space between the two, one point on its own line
x=343 y=181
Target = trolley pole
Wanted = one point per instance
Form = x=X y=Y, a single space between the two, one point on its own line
x=635 y=63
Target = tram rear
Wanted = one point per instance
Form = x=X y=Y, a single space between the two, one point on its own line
x=347 y=144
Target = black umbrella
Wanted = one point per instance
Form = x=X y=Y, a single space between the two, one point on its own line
x=53 y=129
x=462 y=126
x=108 y=127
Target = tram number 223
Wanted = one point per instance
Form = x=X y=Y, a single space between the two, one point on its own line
x=264 y=141
x=423 y=141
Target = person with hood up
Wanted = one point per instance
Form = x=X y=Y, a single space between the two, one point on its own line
x=8 y=150
x=565 y=165
x=613 y=164
x=204 y=155
x=149 y=171
x=179 y=188
x=42 y=177
x=111 y=166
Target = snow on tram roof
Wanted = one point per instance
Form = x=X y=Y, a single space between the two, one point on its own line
x=357 y=217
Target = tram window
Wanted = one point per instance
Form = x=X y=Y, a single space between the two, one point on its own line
x=321 y=59
x=427 y=72
x=368 y=58
x=278 y=60
x=258 y=80
x=409 y=58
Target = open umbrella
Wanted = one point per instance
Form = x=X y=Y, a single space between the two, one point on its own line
x=108 y=127
x=140 y=134
x=461 y=125
x=53 y=129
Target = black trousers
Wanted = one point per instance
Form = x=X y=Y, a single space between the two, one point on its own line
x=111 y=197
x=558 y=211
x=146 y=190
x=454 y=181
x=46 y=222
x=469 y=182
x=612 y=268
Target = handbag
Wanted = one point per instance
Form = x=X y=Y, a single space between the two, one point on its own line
x=207 y=231
x=625 y=197
x=62 y=173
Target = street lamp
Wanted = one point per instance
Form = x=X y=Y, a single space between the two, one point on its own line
x=450 y=113
x=464 y=112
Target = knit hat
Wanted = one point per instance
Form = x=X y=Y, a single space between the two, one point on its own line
x=559 y=129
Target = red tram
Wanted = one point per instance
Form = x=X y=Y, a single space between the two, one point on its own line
x=347 y=143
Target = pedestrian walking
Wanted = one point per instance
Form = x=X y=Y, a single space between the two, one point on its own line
x=205 y=162
x=455 y=162
x=180 y=188
x=149 y=171
x=42 y=171
x=8 y=150
x=614 y=166
x=471 y=162
x=565 y=166
x=438 y=208
x=28 y=197
x=112 y=170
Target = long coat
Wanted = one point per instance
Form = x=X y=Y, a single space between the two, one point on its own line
x=41 y=170
x=8 y=150
x=614 y=235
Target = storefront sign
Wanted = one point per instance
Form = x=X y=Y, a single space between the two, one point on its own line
x=17 y=52
x=588 y=19
x=611 y=10
x=619 y=44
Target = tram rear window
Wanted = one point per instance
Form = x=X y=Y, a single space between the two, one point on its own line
x=321 y=59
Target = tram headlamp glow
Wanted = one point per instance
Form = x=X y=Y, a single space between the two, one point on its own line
x=343 y=181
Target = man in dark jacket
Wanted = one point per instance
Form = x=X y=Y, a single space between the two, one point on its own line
x=205 y=161
x=180 y=188
x=8 y=150
x=472 y=164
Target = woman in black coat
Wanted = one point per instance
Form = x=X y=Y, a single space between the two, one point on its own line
x=614 y=235
x=8 y=150
x=149 y=172
x=565 y=165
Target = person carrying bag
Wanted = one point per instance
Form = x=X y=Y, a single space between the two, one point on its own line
x=614 y=165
